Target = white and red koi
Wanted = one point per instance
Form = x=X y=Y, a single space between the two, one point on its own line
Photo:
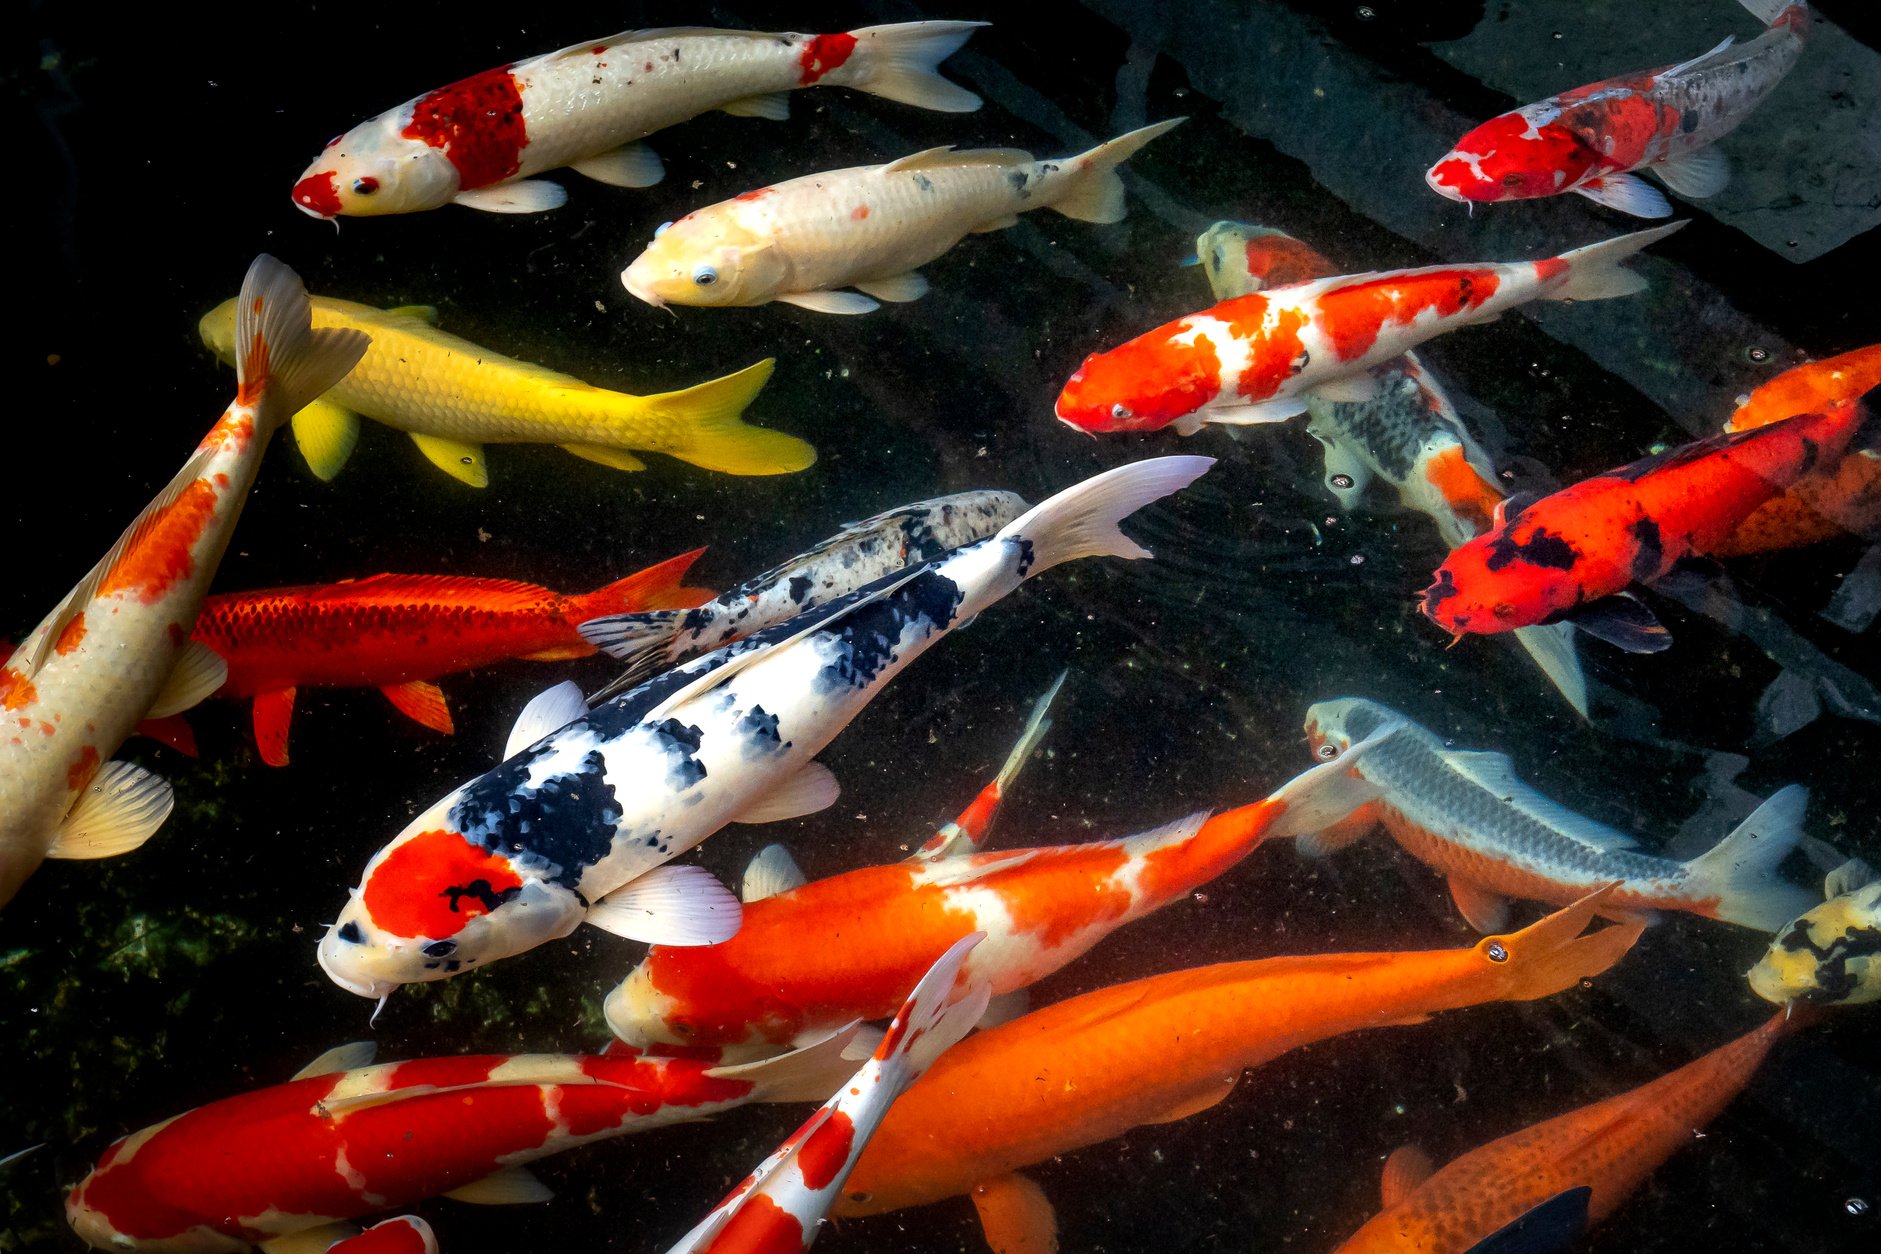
x=1467 y=816
x=342 y=1140
x=407 y=1234
x=1663 y=121
x=1256 y=358
x=868 y=227
x=480 y=140
x=117 y=649
x=779 y=1208
x=578 y=824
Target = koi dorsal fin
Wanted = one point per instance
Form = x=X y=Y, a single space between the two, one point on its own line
x=1494 y=773
x=347 y=1057
x=772 y=872
x=948 y=155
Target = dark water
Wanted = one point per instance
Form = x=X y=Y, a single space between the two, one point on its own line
x=153 y=155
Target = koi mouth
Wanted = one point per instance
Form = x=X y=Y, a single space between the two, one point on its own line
x=636 y=288
x=374 y=990
x=317 y=196
x=1077 y=427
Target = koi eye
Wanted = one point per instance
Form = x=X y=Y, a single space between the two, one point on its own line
x=660 y=229
x=1496 y=952
x=365 y=187
x=441 y=949
x=1342 y=482
x=705 y=276
x=1120 y=412
x=1327 y=752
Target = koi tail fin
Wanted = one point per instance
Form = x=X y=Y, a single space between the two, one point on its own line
x=1551 y=954
x=713 y=432
x=1739 y=872
x=640 y=640
x=1094 y=192
x=1768 y=11
x=967 y=833
x=900 y=62
x=1327 y=794
x=809 y=1074
x=282 y=364
x=1081 y=521
x=659 y=587
x=1551 y=647
x=1595 y=273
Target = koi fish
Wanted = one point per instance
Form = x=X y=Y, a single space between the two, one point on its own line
x=1570 y=556
x=1826 y=501
x=1609 y=1148
x=116 y=650
x=1588 y=140
x=859 y=554
x=1091 y=1068
x=1255 y=358
x=453 y=397
x=779 y=1208
x=1467 y=816
x=881 y=926
x=578 y=822
x=1409 y=435
x=868 y=227
x=480 y=141
x=1830 y=955
x=407 y=1234
x=396 y=633
x=344 y=1139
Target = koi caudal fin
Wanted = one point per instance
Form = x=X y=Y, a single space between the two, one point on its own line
x=282 y=364
x=1096 y=193
x=1082 y=520
x=658 y=587
x=1739 y=872
x=714 y=434
x=901 y=62
x=1594 y=272
x=1551 y=954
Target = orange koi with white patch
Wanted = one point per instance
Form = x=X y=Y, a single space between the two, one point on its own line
x=1256 y=358
x=116 y=650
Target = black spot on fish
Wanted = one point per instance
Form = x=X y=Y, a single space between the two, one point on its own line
x=681 y=743
x=1811 y=453
x=349 y=932
x=1392 y=427
x=1688 y=121
x=799 y=588
x=1651 y=551
x=1018 y=179
x=566 y=820
x=865 y=640
x=482 y=891
x=1542 y=548
x=760 y=728
x=1834 y=981
x=1026 y=556
x=1441 y=591
x=923 y=182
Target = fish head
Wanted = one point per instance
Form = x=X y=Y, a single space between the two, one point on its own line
x=1830 y=956
x=435 y=903
x=373 y=170
x=1144 y=385
x=117 y=1207
x=217 y=329
x=640 y=1014
x=1334 y=726
x=1240 y=258
x=1514 y=157
x=1517 y=574
x=705 y=258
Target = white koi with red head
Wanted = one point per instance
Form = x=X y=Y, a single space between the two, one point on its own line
x=478 y=141
x=1256 y=358
x=779 y=1208
x=116 y=650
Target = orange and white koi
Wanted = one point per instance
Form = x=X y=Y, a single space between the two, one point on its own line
x=116 y=650
x=1257 y=357
x=1039 y=908
x=779 y=1208
x=1663 y=121
x=480 y=141
x=868 y=227
x=343 y=1139
x=1468 y=817
x=1091 y=1068
x=1609 y=1148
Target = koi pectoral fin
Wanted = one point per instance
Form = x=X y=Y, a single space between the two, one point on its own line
x=199 y=671
x=274 y=714
x=1406 y=1169
x=1214 y=1091
x=1624 y=623
x=326 y=433
x=422 y=703
x=511 y=1186
x=461 y=461
x=1016 y=1216
x=1484 y=910
x=120 y=809
x=311 y=1240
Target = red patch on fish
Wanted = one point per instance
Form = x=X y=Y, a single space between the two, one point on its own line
x=477 y=123
x=859 y=212
x=318 y=194
x=1277 y=354
x=825 y=53
x=72 y=636
x=83 y=767
x=434 y=883
x=16 y=690
x=1353 y=316
x=756 y=194
x=760 y=1226
x=826 y=1150
x=164 y=552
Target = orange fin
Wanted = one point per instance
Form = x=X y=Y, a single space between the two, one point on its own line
x=561 y=653
x=422 y=703
x=172 y=731
x=1016 y=1216
x=1406 y=1169
x=658 y=587
x=1196 y=1103
x=274 y=711
x=1484 y=910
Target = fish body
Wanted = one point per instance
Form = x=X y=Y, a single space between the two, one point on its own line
x=779 y=1208
x=854 y=557
x=1255 y=358
x=1467 y=816
x=453 y=397
x=1553 y=559
x=1831 y=954
x=523 y=853
x=116 y=650
x=406 y=1234
x=1610 y=1147
x=1090 y=1068
x=868 y=227
x=1039 y=909
x=1589 y=140
x=398 y=632
x=343 y=1143
x=480 y=140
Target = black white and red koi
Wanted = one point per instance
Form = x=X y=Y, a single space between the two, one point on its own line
x=344 y=1140
x=480 y=140
x=858 y=555
x=1468 y=817
x=1256 y=358
x=779 y=1208
x=1663 y=121
x=117 y=649
x=578 y=824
